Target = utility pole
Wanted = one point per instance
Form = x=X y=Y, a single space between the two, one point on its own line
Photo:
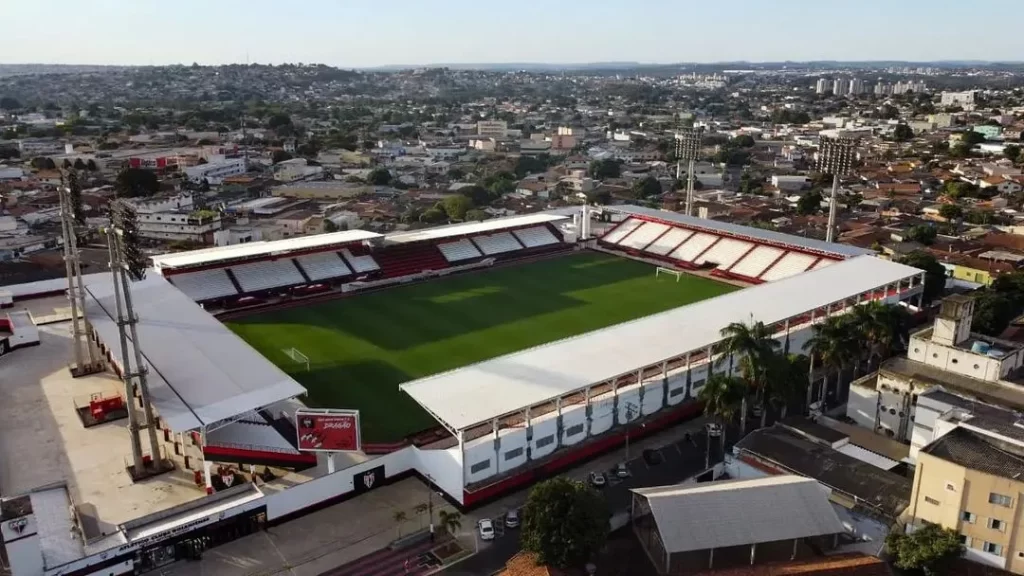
x=631 y=412
x=87 y=360
x=688 y=148
x=835 y=157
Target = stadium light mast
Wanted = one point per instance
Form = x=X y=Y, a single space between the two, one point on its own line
x=87 y=358
x=688 y=148
x=835 y=157
x=125 y=269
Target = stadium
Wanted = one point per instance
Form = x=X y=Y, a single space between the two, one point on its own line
x=479 y=356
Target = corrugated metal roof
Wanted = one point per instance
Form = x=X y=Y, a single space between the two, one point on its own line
x=253 y=249
x=864 y=455
x=745 y=231
x=199 y=371
x=740 y=512
x=455 y=230
x=477 y=393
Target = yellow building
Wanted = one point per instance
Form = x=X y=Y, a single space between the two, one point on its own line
x=971 y=480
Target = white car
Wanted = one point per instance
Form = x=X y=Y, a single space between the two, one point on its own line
x=597 y=479
x=486 y=529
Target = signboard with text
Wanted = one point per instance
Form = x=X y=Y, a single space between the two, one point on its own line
x=328 y=430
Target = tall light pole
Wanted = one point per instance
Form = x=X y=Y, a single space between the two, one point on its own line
x=87 y=359
x=688 y=148
x=835 y=157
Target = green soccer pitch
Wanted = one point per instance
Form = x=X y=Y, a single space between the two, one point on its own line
x=361 y=348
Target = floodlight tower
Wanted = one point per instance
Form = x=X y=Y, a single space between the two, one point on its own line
x=835 y=157
x=87 y=358
x=688 y=148
x=124 y=271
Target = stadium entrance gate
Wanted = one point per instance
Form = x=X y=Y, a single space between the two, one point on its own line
x=192 y=544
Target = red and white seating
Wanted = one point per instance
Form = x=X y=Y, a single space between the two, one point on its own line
x=757 y=261
x=725 y=253
x=459 y=250
x=267 y=274
x=693 y=247
x=648 y=232
x=497 y=243
x=360 y=264
x=822 y=263
x=669 y=241
x=615 y=235
x=205 y=285
x=791 y=264
x=323 y=266
x=535 y=237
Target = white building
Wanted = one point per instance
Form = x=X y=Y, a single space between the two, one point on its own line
x=840 y=86
x=821 y=87
x=492 y=128
x=29 y=147
x=198 y=226
x=216 y=171
x=789 y=183
x=964 y=99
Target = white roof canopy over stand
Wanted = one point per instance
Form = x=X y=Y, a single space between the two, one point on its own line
x=200 y=373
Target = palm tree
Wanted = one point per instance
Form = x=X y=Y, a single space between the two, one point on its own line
x=419 y=509
x=399 y=517
x=834 y=344
x=754 y=346
x=450 y=521
x=882 y=326
x=722 y=395
x=787 y=380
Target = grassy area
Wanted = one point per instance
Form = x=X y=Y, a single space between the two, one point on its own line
x=362 y=348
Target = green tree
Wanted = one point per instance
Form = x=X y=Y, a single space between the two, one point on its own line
x=881 y=326
x=993 y=312
x=834 y=345
x=399 y=517
x=565 y=522
x=1012 y=152
x=930 y=548
x=599 y=196
x=972 y=138
x=91 y=165
x=456 y=206
x=935 y=273
x=8 y=103
x=278 y=120
x=135 y=182
x=753 y=347
x=923 y=233
x=433 y=215
x=809 y=203
x=722 y=395
x=450 y=521
x=951 y=211
x=75 y=195
x=9 y=153
x=602 y=169
x=787 y=380
x=647 y=187
x=902 y=133
x=329 y=225
x=79 y=165
x=456 y=174
x=476 y=215
x=379 y=177
x=743 y=141
x=280 y=156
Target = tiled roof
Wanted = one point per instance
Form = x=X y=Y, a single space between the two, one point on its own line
x=979 y=452
x=525 y=564
x=839 y=565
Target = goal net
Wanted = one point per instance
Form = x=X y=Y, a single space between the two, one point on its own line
x=659 y=271
x=297 y=356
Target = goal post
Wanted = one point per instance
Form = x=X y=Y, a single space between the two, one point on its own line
x=297 y=356
x=659 y=271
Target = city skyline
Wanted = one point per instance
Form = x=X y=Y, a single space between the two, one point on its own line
x=410 y=33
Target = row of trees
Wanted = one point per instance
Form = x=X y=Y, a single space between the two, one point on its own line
x=869 y=333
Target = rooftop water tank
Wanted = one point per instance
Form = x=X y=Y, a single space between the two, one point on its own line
x=979 y=347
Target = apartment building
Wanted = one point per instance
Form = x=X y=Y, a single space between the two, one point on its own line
x=216 y=171
x=964 y=99
x=191 y=226
x=492 y=128
x=971 y=479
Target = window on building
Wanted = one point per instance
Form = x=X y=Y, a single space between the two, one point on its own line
x=965 y=540
x=993 y=548
x=542 y=442
x=574 y=430
x=1000 y=499
x=931 y=500
x=697 y=384
x=513 y=454
x=480 y=466
x=676 y=392
x=969 y=517
x=996 y=524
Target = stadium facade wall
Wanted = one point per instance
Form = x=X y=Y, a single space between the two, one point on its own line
x=444 y=468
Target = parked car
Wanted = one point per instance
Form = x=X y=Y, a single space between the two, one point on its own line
x=486 y=529
x=597 y=479
x=653 y=457
x=714 y=429
x=622 y=471
x=512 y=518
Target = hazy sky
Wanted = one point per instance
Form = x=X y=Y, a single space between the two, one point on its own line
x=356 y=33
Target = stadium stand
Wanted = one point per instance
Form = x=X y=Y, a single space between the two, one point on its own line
x=205 y=284
x=757 y=261
x=791 y=264
x=323 y=265
x=617 y=234
x=360 y=263
x=822 y=263
x=499 y=243
x=535 y=237
x=668 y=242
x=405 y=259
x=694 y=247
x=460 y=250
x=725 y=252
x=267 y=274
x=644 y=235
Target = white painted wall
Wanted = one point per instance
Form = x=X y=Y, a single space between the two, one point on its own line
x=572 y=417
x=698 y=376
x=862 y=406
x=653 y=396
x=444 y=468
x=676 y=386
x=602 y=413
x=475 y=453
x=543 y=435
x=627 y=395
x=511 y=448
